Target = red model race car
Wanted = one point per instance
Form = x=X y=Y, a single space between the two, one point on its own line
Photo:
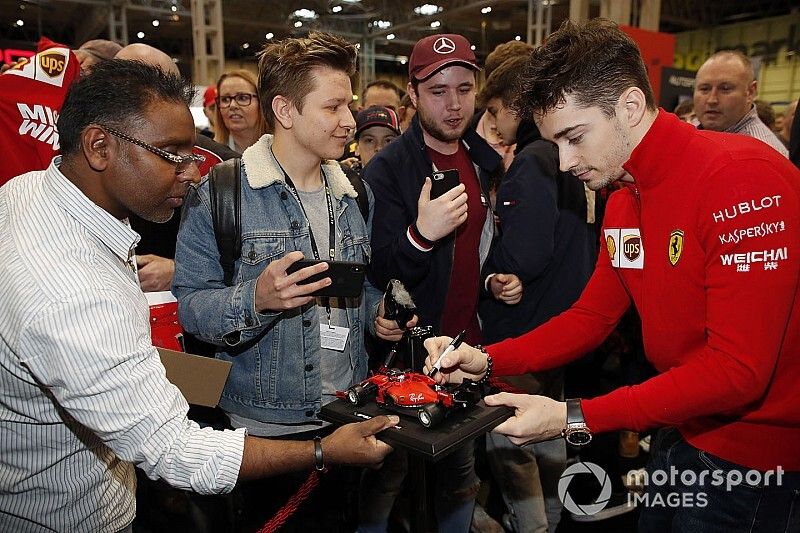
x=410 y=393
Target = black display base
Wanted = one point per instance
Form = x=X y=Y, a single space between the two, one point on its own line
x=431 y=443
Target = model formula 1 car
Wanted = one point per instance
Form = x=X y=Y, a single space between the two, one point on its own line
x=411 y=393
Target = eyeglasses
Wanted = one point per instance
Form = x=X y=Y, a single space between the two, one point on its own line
x=241 y=99
x=181 y=162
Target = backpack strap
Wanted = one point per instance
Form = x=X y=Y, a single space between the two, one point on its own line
x=226 y=199
x=358 y=184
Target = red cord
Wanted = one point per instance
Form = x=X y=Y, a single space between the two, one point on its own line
x=283 y=514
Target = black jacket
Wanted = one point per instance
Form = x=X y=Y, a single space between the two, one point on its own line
x=396 y=175
x=543 y=238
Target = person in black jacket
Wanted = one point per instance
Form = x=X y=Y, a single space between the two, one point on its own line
x=435 y=247
x=544 y=239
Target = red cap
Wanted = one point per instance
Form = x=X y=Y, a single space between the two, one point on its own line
x=210 y=95
x=433 y=53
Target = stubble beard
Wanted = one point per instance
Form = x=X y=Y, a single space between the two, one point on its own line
x=434 y=130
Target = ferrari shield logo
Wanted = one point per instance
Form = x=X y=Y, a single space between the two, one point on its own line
x=675 y=246
x=612 y=246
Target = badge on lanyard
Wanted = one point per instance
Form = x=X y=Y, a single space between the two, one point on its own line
x=333 y=337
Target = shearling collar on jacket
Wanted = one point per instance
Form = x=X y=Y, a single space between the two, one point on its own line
x=263 y=170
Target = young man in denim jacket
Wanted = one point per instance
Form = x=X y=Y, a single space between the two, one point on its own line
x=296 y=202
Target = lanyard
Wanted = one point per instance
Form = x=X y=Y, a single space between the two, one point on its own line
x=331 y=221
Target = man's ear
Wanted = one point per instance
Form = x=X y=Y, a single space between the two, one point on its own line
x=752 y=91
x=634 y=104
x=97 y=148
x=412 y=94
x=282 y=109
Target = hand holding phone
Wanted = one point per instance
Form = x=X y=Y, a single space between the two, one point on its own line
x=440 y=216
x=278 y=290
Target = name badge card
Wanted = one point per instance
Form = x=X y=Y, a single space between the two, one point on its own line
x=333 y=337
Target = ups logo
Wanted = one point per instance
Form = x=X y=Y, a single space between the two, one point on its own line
x=52 y=63
x=631 y=247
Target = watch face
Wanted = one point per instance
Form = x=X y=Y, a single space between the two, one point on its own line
x=579 y=438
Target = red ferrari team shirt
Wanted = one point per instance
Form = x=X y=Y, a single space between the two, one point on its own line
x=31 y=95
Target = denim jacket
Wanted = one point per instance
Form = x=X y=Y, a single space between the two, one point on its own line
x=276 y=372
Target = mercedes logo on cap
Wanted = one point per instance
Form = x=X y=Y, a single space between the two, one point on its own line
x=443 y=45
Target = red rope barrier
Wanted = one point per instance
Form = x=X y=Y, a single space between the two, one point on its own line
x=291 y=506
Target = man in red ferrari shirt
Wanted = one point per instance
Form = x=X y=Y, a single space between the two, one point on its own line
x=704 y=239
x=31 y=94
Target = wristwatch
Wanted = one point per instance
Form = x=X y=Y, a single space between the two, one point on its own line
x=577 y=432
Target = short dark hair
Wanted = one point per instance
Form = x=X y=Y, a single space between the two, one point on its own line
x=284 y=67
x=594 y=62
x=383 y=84
x=503 y=82
x=765 y=112
x=406 y=102
x=116 y=93
x=686 y=106
x=503 y=52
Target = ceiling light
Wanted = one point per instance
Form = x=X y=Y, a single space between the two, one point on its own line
x=487 y=9
x=306 y=14
x=435 y=24
x=270 y=35
x=140 y=35
x=390 y=37
x=472 y=47
x=174 y=8
x=427 y=9
x=20 y=22
x=298 y=24
x=403 y=60
x=336 y=9
x=518 y=38
x=382 y=24
x=246 y=46
x=155 y=23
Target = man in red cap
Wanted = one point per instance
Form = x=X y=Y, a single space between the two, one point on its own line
x=437 y=245
x=210 y=109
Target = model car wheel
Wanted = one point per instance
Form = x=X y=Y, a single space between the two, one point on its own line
x=358 y=394
x=431 y=414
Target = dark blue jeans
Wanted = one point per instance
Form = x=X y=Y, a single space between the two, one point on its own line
x=730 y=499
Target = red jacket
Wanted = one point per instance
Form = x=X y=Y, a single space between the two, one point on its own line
x=707 y=247
x=31 y=96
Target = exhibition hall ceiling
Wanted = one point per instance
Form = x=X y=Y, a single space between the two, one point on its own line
x=248 y=24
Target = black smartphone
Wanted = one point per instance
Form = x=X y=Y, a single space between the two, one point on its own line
x=347 y=277
x=444 y=180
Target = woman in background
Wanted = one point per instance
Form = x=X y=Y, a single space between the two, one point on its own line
x=240 y=122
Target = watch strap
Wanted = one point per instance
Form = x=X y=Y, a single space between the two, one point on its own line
x=574 y=412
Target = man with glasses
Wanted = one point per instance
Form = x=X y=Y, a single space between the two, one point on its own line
x=83 y=396
x=156 y=249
